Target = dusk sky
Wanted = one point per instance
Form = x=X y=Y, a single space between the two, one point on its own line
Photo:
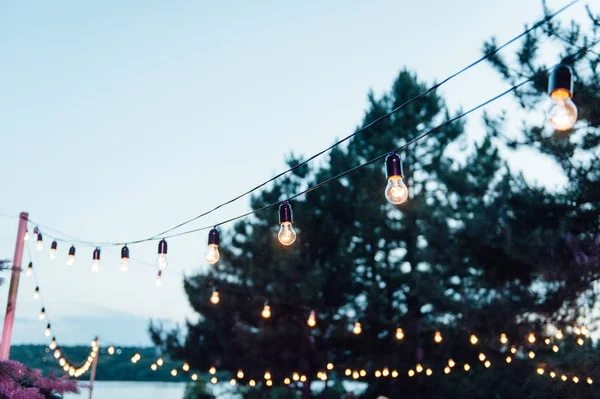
x=121 y=119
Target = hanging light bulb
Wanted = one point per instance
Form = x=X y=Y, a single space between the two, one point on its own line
x=240 y=374
x=357 y=329
x=52 y=345
x=161 y=260
x=40 y=244
x=267 y=375
x=159 y=278
x=29 y=271
x=212 y=252
x=214 y=298
x=563 y=112
x=503 y=339
x=212 y=370
x=53 y=247
x=71 y=258
x=531 y=338
x=396 y=191
x=57 y=353
x=286 y=235
x=96 y=260
x=474 y=339
x=437 y=337
x=124 y=259
x=160 y=362
x=26 y=235
x=312 y=319
x=48 y=330
x=36 y=293
x=186 y=366
x=399 y=334
x=559 y=335
x=266 y=312
x=43 y=314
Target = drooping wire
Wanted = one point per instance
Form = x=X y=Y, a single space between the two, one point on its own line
x=337 y=143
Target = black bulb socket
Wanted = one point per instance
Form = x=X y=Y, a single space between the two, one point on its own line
x=286 y=215
x=125 y=252
x=39 y=237
x=213 y=237
x=561 y=77
x=54 y=245
x=72 y=251
x=96 y=254
x=393 y=165
x=162 y=247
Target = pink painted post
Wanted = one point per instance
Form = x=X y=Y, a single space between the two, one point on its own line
x=11 y=305
x=93 y=374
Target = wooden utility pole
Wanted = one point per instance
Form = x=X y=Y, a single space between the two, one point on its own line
x=11 y=305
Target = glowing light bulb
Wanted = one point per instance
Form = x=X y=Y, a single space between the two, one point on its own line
x=240 y=374
x=362 y=373
x=419 y=368
x=160 y=362
x=159 y=278
x=357 y=329
x=329 y=366
x=580 y=342
x=212 y=252
x=43 y=314
x=377 y=373
x=214 y=298
x=287 y=235
x=111 y=350
x=473 y=339
x=57 y=354
x=547 y=341
x=552 y=374
x=563 y=111
x=584 y=330
x=174 y=372
x=153 y=366
x=312 y=319
x=36 y=293
x=52 y=253
x=508 y=359
x=385 y=372
x=447 y=370
x=481 y=357
x=437 y=337
x=559 y=335
x=253 y=383
x=576 y=379
x=411 y=373
x=399 y=334
x=467 y=367
x=590 y=381
x=355 y=375
x=124 y=259
x=563 y=377
x=487 y=364
x=161 y=260
x=26 y=236
x=212 y=370
x=29 y=271
x=62 y=361
x=451 y=363
x=267 y=375
x=48 y=330
x=513 y=350
x=296 y=376
x=540 y=371
x=396 y=191
x=532 y=355
x=428 y=372
x=266 y=312
x=186 y=366
x=503 y=339
x=214 y=380
x=40 y=244
x=96 y=260
x=531 y=338
x=394 y=374
x=269 y=383
x=71 y=258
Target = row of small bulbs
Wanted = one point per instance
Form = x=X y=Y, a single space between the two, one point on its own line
x=69 y=368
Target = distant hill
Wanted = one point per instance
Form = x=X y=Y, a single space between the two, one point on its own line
x=116 y=367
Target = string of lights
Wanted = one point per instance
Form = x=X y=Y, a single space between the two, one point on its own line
x=163 y=234
x=68 y=367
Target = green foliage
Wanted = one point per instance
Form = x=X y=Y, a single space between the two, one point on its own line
x=476 y=248
x=197 y=390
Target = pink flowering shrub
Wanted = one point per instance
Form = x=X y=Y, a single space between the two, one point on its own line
x=20 y=382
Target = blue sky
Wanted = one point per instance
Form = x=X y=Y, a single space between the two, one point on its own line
x=120 y=119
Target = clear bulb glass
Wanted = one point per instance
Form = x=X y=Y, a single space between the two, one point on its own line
x=36 y=295
x=52 y=345
x=71 y=260
x=563 y=112
x=158 y=281
x=39 y=246
x=396 y=191
x=124 y=264
x=214 y=299
x=286 y=235
x=212 y=253
x=266 y=313
x=42 y=315
x=52 y=254
x=47 y=332
x=161 y=262
x=95 y=266
x=29 y=271
x=26 y=236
